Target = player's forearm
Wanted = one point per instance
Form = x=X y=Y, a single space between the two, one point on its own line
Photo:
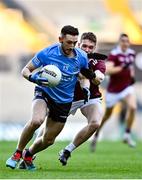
x=113 y=70
x=84 y=83
x=89 y=74
x=27 y=70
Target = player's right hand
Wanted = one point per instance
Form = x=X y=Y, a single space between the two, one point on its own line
x=35 y=78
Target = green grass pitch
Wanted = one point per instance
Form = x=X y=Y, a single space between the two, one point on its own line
x=111 y=160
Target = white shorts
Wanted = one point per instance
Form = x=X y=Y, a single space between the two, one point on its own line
x=80 y=104
x=114 y=98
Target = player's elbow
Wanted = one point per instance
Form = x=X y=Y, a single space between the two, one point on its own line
x=22 y=72
x=25 y=72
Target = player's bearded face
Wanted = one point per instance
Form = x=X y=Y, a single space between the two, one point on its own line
x=124 y=43
x=87 y=46
x=68 y=43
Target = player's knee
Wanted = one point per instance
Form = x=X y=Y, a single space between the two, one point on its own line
x=48 y=141
x=93 y=125
x=36 y=122
x=132 y=107
x=107 y=115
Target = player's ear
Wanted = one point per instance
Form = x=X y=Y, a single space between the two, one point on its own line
x=60 y=39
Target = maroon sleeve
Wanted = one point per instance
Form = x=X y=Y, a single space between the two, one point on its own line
x=112 y=58
x=100 y=65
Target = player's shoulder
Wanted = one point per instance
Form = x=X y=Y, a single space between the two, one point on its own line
x=115 y=51
x=131 y=51
x=47 y=51
x=50 y=48
x=81 y=53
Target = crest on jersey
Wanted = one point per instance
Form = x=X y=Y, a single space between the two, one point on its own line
x=66 y=67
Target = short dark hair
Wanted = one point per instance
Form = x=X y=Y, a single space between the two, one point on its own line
x=69 y=30
x=90 y=36
x=123 y=35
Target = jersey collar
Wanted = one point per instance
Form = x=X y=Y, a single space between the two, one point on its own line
x=61 y=54
x=120 y=50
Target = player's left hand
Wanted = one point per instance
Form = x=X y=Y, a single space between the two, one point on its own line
x=36 y=78
x=86 y=93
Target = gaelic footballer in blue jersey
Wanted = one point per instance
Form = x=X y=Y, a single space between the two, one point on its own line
x=55 y=103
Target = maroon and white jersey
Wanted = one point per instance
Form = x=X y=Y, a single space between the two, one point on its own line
x=94 y=89
x=123 y=79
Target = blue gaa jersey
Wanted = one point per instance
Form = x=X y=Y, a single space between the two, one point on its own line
x=70 y=67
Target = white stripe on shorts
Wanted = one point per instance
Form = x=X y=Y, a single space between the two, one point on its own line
x=80 y=104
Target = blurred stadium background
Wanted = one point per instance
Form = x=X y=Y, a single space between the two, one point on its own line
x=26 y=26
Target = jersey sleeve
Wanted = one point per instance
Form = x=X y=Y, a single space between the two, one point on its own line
x=101 y=66
x=39 y=58
x=84 y=62
x=111 y=58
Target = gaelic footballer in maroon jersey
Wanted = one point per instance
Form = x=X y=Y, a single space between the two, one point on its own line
x=94 y=89
x=122 y=79
x=120 y=69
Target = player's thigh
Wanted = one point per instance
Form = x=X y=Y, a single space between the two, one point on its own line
x=130 y=101
x=93 y=112
x=52 y=129
x=75 y=106
x=39 y=110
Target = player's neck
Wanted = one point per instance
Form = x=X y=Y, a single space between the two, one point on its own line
x=71 y=55
x=123 y=49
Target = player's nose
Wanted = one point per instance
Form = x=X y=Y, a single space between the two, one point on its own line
x=87 y=50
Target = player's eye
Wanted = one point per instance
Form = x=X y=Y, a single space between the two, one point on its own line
x=86 y=46
x=124 y=41
x=69 y=42
x=72 y=43
x=90 y=47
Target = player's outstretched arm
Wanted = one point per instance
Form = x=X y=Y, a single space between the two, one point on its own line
x=84 y=82
x=111 y=69
x=97 y=56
